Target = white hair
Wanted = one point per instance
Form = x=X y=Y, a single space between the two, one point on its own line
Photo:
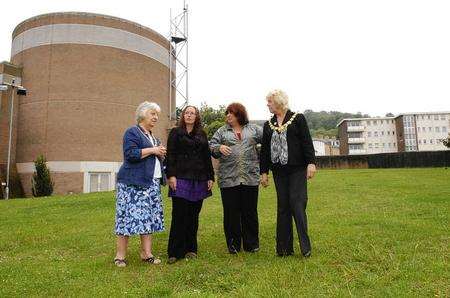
x=279 y=98
x=143 y=108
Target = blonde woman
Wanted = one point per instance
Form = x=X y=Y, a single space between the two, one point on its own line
x=287 y=149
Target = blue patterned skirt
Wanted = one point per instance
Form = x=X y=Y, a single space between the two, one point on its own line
x=139 y=209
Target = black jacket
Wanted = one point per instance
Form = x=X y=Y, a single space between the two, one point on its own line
x=188 y=155
x=300 y=145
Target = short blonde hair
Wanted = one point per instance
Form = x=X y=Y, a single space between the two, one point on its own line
x=142 y=109
x=279 y=98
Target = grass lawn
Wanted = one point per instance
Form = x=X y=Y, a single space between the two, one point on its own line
x=374 y=233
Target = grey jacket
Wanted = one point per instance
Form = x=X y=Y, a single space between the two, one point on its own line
x=242 y=165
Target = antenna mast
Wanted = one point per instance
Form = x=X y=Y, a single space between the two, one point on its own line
x=178 y=61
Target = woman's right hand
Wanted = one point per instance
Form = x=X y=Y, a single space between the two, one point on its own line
x=159 y=151
x=173 y=183
x=225 y=150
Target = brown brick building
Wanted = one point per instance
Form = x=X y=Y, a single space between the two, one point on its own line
x=85 y=75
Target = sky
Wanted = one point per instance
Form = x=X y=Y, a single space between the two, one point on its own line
x=372 y=57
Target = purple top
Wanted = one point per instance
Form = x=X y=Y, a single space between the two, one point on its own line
x=191 y=190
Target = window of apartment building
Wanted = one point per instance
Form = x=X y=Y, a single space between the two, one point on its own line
x=430 y=129
x=429 y=117
x=376 y=145
x=355 y=146
x=443 y=117
x=99 y=182
x=368 y=122
x=382 y=133
x=423 y=129
x=375 y=133
x=418 y=129
x=431 y=141
x=420 y=142
x=444 y=129
x=388 y=133
x=369 y=134
x=394 y=144
x=384 y=145
x=370 y=145
x=423 y=117
x=393 y=132
x=437 y=129
x=355 y=134
x=374 y=122
x=436 y=117
x=354 y=123
x=438 y=141
x=424 y=141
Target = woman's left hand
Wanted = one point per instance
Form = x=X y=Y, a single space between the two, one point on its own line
x=210 y=184
x=310 y=171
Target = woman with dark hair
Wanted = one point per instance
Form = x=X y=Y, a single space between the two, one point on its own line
x=234 y=144
x=190 y=174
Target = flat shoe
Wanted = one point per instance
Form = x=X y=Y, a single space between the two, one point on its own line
x=120 y=262
x=152 y=260
x=190 y=255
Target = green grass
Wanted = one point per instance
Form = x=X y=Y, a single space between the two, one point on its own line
x=374 y=233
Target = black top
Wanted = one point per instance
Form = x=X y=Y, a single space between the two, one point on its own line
x=300 y=145
x=188 y=155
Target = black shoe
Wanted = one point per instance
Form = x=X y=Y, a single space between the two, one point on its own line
x=285 y=254
x=232 y=250
x=253 y=250
x=172 y=260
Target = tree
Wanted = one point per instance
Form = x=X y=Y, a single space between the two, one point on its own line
x=41 y=182
x=212 y=128
x=212 y=118
x=324 y=120
x=446 y=141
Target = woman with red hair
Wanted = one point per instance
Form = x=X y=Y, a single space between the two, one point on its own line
x=234 y=144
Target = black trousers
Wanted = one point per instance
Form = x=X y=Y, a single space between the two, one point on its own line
x=184 y=227
x=240 y=217
x=292 y=197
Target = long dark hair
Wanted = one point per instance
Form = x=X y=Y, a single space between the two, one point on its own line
x=198 y=120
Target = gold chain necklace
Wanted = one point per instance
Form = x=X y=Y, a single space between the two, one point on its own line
x=284 y=126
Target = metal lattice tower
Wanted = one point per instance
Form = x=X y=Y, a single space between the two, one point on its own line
x=178 y=61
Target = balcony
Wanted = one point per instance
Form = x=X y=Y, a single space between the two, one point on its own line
x=355 y=128
x=356 y=151
x=356 y=140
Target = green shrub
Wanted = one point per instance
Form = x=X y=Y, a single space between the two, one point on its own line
x=41 y=182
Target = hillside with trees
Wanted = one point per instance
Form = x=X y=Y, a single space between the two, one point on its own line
x=321 y=124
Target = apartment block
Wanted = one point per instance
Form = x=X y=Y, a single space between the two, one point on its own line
x=405 y=132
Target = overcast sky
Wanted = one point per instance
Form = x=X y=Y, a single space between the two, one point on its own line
x=368 y=56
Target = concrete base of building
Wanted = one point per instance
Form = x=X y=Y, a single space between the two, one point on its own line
x=70 y=177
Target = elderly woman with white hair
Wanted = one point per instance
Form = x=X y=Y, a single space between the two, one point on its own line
x=139 y=208
x=287 y=149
